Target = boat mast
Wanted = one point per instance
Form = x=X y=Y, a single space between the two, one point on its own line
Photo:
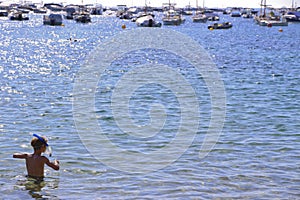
x=263 y=3
x=197 y=8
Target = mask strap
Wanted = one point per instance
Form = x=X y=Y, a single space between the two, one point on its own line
x=40 y=139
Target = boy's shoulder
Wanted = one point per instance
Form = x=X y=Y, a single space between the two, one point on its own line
x=43 y=159
x=37 y=157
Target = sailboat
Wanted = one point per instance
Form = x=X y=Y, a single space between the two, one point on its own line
x=199 y=15
x=171 y=16
x=270 y=20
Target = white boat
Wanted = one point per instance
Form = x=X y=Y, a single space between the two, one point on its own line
x=292 y=16
x=54 y=7
x=4 y=9
x=212 y=16
x=187 y=10
x=53 y=19
x=95 y=9
x=3 y=13
x=171 y=16
x=147 y=21
x=235 y=13
x=271 y=20
x=199 y=16
x=246 y=13
x=18 y=16
x=83 y=15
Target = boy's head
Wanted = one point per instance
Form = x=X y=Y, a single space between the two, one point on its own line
x=37 y=143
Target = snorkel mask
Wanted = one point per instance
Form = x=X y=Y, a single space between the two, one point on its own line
x=48 y=148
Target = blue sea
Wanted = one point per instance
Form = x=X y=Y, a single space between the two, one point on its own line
x=254 y=156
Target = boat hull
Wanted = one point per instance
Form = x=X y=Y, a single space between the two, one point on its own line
x=199 y=19
x=173 y=21
x=271 y=23
x=147 y=21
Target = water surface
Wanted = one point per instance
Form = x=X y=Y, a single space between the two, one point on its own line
x=256 y=157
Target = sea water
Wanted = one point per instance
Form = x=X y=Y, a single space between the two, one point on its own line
x=255 y=157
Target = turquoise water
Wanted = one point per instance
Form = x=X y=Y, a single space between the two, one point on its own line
x=256 y=157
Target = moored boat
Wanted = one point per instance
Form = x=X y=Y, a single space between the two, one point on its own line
x=3 y=13
x=225 y=25
x=96 y=9
x=18 y=16
x=53 y=19
x=83 y=18
x=54 y=7
x=172 y=17
x=270 y=22
x=212 y=16
x=271 y=19
x=147 y=21
x=83 y=15
x=187 y=10
x=199 y=15
x=247 y=15
x=292 y=16
x=4 y=9
x=71 y=11
x=235 y=13
x=200 y=18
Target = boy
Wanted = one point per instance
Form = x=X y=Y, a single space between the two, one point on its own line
x=35 y=162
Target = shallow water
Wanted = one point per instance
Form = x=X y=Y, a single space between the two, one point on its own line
x=256 y=157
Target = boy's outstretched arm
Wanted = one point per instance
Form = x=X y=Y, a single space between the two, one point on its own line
x=54 y=165
x=20 y=155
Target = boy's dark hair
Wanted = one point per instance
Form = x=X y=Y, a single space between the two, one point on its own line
x=37 y=144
